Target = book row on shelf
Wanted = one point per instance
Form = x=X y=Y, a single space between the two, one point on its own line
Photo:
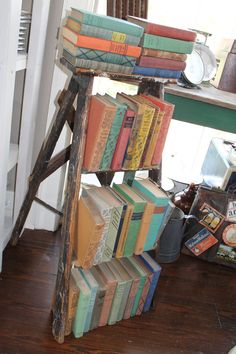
x=127 y=132
x=110 y=292
x=136 y=46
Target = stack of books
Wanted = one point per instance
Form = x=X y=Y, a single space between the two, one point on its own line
x=126 y=133
x=98 y=42
x=119 y=221
x=110 y=292
x=164 y=49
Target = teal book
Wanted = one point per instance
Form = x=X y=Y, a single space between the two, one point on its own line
x=143 y=278
x=161 y=201
x=93 y=285
x=139 y=204
x=113 y=134
x=82 y=305
x=98 y=32
x=107 y=22
x=98 y=55
x=99 y=301
x=167 y=44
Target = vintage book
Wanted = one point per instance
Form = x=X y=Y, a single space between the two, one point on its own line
x=134 y=287
x=93 y=285
x=111 y=284
x=128 y=283
x=98 y=55
x=139 y=133
x=118 y=296
x=163 y=73
x=163 y=54
x=113 y=134
x=106 y=22
x=145 y=224
x=72 y=305
x=151 y=62
x=123 y=138
x=143 y=277
x=96 y=65
x=100 y=298
x=161 y=200
x=156 y=270
x=106 y=212
x=134 y=226
x=146 y=286
x=167 y=44
x=89 y=230
x=168 y=109
x=94 y=31
x=82 y=305
x=100 y=44
x=100 y=118
x=116 y=212
x=119 y=248
x=163 y=31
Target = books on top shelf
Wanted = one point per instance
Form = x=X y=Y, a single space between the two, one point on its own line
x=126 y=133
x=110 y=292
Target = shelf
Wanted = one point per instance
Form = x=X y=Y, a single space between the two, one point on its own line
x=13 y=156
x=21 y=61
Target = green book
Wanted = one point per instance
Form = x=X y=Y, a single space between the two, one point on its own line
x=107 y=22
x=167 y=44
x=139 y=204
x=113 y=134
x=99 y=300
x=82 y=305
x=143 y=276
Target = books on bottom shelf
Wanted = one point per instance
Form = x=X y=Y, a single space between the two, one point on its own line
x=110 y=292
x=118 y=221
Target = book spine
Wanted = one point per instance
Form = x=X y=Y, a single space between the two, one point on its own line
x=122 y=219
x=155 y=225
x=124 y=231
x=72 y=304
x=116 y=303
x=80 y=316
x=124 y=300
x=163 y=54
x=122 y=140
x=109 y=23
x=105 y=57
x=97 y=308
x=106 y=214
x=90 y=309
x=107 y=304
x=112 y=139
x=170 y=32
x=143 y=232
x=138 y=139
x=167 y=44
x=131 y=298
x=112 y=233
x=164 y=73
x=151 y=292
x=151 y=62
x=92 y=249
x=144 y=294
x=138 y=296
x=101 y=140
x=132 y=234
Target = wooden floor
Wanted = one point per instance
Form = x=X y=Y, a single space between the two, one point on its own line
x=195 y=313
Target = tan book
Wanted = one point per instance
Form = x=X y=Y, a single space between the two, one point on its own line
x=111 y=284
x=163 y=54
x=72 y=305
x=145 y=287
x=90 y=228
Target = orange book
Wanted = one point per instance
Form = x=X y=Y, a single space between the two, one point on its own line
x=100 y=117
x=100 y=44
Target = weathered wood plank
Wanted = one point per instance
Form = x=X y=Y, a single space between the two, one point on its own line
x=56 y=162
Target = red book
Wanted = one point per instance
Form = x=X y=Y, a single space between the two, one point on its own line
x=163 y=31
x=151 y=62
x=122 y=141
x=168 y=109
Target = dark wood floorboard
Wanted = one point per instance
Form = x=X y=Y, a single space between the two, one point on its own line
x=195 y=313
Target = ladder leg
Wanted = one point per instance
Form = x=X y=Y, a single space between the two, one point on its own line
x=71 y=198
x=44 y=157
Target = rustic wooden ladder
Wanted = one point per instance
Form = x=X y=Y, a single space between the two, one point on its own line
x=80 y=85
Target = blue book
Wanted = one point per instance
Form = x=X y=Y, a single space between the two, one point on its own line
x=93 y=285
x=164 y=73
x=156 y=270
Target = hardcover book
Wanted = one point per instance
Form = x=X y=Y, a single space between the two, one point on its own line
x=151 y=62
x=72 y=305
x=100 y=44
x=157 y=72
x=163 y=54
x=163 y=31
x=146 y=286
x=167 y=44
x=100 y=298
x=95 y=31
x=107 y=22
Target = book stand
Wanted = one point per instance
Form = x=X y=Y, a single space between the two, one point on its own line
x=80 y=85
